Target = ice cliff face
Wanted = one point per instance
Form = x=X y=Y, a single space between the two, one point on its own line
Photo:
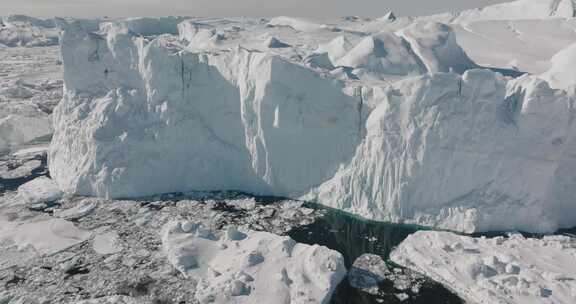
x=144 y=117
x=467 y=153
x=391 y=126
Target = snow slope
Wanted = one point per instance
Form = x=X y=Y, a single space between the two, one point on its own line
x=399 y=125
x=511 y=270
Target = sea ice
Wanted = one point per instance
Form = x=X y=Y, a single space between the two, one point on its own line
x=252 y=267
x=506 y=270
x=39 y=190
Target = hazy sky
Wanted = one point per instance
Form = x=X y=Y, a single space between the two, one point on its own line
x=320 y=8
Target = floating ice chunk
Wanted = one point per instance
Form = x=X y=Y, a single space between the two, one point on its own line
x=367 y=272
x=258 y=267
x=44 y=236
x=515 y=270
x=80 y=210
x=39 y=190
x=9 y=172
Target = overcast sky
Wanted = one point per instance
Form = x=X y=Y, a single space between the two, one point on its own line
x=319 y=8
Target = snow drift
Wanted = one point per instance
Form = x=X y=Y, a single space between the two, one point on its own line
x=469 y=152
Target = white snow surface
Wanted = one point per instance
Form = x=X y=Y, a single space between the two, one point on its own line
x=502 y=270
x=387 y=118
x=251 y=267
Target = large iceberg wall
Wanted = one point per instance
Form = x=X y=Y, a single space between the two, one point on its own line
x=144 y=117
x=470 y=151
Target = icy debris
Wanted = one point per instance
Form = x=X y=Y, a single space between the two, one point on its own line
x=25 y=169
x=113 y=300
x=505 y=270
x=371 y=274
x=39 y=190
x=367 y=272
x=83 y=208
x=125 y=258
x=35 y=150
x=107 y=243
x=252 y=267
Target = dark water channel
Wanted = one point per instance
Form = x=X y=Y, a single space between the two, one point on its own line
x=353 y=237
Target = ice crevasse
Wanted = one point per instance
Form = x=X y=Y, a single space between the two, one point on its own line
x=469 y=151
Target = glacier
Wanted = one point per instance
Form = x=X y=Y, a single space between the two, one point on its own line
x=390 y=119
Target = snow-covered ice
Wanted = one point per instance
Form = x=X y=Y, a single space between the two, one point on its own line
x=107 y=243
x=232 y=266
x=39 y=190
x=44 y=236
x=503 y=270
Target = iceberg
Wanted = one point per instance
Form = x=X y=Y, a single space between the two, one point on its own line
x=398 y=126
